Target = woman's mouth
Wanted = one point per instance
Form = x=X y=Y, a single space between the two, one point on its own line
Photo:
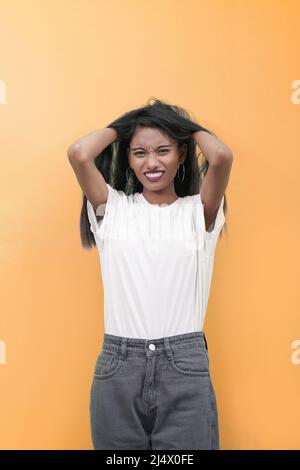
x=155 y=176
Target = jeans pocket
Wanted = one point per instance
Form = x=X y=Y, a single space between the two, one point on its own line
x=191 y=362
x=107 y=364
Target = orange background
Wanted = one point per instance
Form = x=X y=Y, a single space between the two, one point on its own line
x=69 y=67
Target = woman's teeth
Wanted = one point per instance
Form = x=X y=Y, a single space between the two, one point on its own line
x=157 y=173
x=155 y=176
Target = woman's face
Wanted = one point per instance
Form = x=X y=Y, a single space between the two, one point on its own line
x=151 y=150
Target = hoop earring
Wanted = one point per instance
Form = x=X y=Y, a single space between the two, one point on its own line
x=127 y=179
x=181 y=180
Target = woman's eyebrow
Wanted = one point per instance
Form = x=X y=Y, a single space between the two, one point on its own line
x=165 y=145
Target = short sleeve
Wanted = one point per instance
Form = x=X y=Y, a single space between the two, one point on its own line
x=208 y=238
x=219 y=221
x=103 y=210
x=211 y=236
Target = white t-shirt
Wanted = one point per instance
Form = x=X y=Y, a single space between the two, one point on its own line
x=156 y=263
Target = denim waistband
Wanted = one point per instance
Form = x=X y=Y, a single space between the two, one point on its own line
x=151 y=347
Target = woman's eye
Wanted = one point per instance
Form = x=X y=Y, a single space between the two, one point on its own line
x=160 y=151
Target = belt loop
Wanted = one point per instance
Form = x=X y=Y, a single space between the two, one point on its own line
x=205 y=341
x=123 y=348
x=168 y=349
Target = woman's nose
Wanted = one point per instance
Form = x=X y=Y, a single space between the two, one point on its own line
x=150 y=152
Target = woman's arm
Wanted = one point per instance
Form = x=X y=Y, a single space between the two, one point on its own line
x=213 y=148
x=91 y=145
x=82 y=155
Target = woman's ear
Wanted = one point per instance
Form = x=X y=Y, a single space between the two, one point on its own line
x=129 y=156
x=182 y=152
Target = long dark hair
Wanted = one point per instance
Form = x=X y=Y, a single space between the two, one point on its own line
x=113 y=162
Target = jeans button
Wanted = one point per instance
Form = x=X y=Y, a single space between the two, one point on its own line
x=152 y=347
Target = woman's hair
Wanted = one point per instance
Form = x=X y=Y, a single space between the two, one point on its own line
x=113 y=162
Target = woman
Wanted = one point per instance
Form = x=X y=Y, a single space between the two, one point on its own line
x=156 y=235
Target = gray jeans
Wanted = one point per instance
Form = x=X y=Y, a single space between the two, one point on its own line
x=154 y=394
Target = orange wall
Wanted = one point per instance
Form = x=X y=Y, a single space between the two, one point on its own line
x=69 y=67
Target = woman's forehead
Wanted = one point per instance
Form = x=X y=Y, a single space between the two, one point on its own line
x=149 y=137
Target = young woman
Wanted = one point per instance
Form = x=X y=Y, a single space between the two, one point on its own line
x=156 y=234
